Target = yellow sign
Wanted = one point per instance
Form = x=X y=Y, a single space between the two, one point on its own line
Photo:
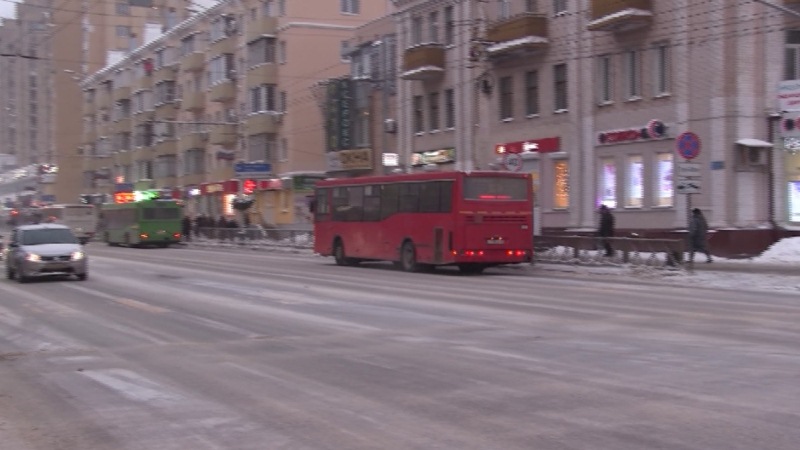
x=356 y=159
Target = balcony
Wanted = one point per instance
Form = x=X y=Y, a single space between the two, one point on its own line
x=222 y=46
x=166 y=111
x=123 y=158
x=262 y=73
x=620 y=15
x=166 y=73
x=193 y=62
x=169 y=146
x=193 y=140
x=104 y=100
x=224 y=135
x=523 y=33
x=122 y=125
x=264 y=26
x=142 y=83
x=194 y=101
x=121 y=93
x=423 y=62
x=223 y=91
x=263 y=123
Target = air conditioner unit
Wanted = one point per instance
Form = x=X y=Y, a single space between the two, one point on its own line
x=390 y=126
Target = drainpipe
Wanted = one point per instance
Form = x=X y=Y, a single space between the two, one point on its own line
x=772 y=119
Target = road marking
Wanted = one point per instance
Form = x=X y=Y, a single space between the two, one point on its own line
x=130 y=303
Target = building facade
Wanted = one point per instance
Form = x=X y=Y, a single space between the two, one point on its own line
x=230 y=87
x=47 y=50
x=652 y=108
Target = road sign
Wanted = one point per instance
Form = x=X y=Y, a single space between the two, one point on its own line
x=688 y=145
x=252 y=170
x=513 y=162
x=688 y=169
x=688 y=186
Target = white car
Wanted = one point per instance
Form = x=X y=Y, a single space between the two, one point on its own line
x=44 y=250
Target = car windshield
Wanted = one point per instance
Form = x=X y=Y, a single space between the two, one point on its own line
x=48 y=236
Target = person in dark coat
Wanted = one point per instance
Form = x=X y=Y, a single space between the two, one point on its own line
x=186 y=228
x=698 y=235
x=606 y=229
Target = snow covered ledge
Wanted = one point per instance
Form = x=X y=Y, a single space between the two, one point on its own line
x=514 y=44
x=624 y=20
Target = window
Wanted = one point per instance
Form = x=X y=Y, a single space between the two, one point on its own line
x=559 y=7
x=449 y=109
x=123 y=31
x=416 y=30
x=532 y=93
x=503 y=9
x=792 y=56
x=345 y=51
x=262 y=147
x=262 y=98
x=261 y=51
x=187 y=45
x=633 y=77
x=506 y=98
x=220 y=68
x=194 y=162
x=164 y=92
x=531 y=6
x=282 y=52
x=123 y=9
x=664 y=189
x=350 y=6
x=165 y=166
x=604 y=79
x=449 y=26
x=281 y=8
x=419 y=124
x=283 y=150
x=433 y=111
x=662 y=69
x=634 y=186
x=560 y=86
x=560 y=184
x=433 y=26
x=608 y=182
x=267 y=8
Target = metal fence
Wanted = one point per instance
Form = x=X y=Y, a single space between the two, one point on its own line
x=255 y=237
x=659 y=253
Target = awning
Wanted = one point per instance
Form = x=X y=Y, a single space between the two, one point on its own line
x=751 y=142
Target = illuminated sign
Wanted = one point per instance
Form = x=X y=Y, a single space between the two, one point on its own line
x=545 y=145
x=146 y=195
x=248 y=186
x=655 y=129
x=356 y=159
x=124 y=197
x=441 y=156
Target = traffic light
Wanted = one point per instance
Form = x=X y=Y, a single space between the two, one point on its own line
x=248 y=186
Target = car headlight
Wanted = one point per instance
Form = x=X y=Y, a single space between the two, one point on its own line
x=77 y=255
x=33 y=257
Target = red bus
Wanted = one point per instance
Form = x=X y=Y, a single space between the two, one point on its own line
x=470 y=220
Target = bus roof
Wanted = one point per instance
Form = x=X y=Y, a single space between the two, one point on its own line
x=421 y=176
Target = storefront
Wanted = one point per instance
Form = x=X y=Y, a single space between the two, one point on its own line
x=216 y=198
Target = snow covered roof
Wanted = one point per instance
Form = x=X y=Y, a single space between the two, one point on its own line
x=751 y=142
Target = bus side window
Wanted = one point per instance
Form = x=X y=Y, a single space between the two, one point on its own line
x=390 y=196
x=429 y=197
x=320 y=204
x=409 y=197
x=372 y=203
x=445 y=196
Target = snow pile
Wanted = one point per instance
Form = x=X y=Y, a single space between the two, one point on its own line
x=785 y=250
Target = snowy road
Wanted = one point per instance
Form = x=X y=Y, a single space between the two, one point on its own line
x=203 y=349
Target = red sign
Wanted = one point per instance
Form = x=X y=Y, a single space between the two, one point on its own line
x=221 y=187
x=124 y=197
x=248 y=186
x=546 y=145
x=273 y=184
x=653 y=130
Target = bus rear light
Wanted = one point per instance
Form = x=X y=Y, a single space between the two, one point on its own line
x=144 y=236
x=176 y=235
x=520 y=252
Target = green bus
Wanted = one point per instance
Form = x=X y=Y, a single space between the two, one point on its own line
x=143 y=223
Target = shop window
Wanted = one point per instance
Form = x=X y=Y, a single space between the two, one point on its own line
x=794 y=201
x=634 y=188
x=664 y=182
x=561 y=184
x=608 y=182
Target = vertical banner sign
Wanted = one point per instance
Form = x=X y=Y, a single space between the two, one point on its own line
x=332 y=117
x=345 y=114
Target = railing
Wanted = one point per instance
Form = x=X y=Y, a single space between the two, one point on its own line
x=660 y=253
x=255 y=237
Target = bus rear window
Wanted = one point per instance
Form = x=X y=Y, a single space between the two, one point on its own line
x=495 y=188
x=160 y=213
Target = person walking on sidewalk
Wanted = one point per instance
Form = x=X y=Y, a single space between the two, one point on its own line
x=606 y=229
x=698 y=235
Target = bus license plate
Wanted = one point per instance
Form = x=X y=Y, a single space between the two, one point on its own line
x=495 y=241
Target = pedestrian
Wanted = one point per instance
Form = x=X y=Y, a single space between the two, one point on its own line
x=186 y=228
x=698 y=235
x=606 y=229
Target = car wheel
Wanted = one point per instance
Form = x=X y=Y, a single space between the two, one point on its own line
x=82 y=276
x=21 y=278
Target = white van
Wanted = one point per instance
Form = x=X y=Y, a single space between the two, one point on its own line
x=82 y=219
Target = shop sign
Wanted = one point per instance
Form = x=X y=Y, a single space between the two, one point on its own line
x=272 y=184
x=339 y=114
x=441 y=156
x=124 y=197
x=654 y=129
x=357 y=159
x=789 y=95
x=545 y=145
x=222 y=187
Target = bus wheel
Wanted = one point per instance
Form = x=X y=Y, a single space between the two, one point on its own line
x=408 y=257
x=338 y=254
x=471 y=268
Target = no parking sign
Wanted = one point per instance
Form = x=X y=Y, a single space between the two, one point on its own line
x=688 y=145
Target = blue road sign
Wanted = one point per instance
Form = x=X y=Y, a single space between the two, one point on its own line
x=252 y=170
x=688 y=145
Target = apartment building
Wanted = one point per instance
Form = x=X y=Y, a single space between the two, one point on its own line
x=359 y=108
x=51 y=48
x=233 y=84
x=595 y=98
